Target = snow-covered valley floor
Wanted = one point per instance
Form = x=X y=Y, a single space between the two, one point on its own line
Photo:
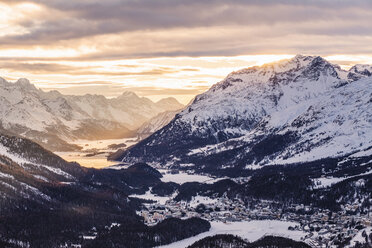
x=250 y=230
x=179 y=178
x=183 y=177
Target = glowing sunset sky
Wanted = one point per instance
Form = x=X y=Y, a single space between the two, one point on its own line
x=160 y=48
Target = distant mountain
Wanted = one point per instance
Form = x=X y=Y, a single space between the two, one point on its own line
x=294 y=111
x=160 y=120
x=52 y=119
x=169 y=103
x=156 y=123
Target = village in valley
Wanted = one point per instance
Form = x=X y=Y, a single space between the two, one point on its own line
x=322 y=228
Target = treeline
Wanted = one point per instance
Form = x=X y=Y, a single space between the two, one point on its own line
x=293 y=184
x=99 y=199
x=228 y=241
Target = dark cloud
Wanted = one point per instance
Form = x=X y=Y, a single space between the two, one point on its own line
x=133 y=29
x=55 y=68
x=81 y=19
x=38 y=68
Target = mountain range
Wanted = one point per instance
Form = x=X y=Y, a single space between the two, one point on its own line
x=297 y=132
x=294 y=111
x=52 y=119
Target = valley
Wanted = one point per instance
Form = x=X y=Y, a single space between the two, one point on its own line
x=292 y=141
x=283 y=149
x=185 y=124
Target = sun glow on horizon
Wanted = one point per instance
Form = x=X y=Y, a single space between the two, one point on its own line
x=155 y=78
x=183 y=77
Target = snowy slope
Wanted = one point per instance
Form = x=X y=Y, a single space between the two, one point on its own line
x=51 y=118
x=156 y=123
x=169 y=103
x=25 y=167
x=297 y=110
x=250 y=230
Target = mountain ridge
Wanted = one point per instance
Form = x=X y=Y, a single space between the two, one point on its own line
x=155 y=123
x=52 y=119
x=291 y=111
x=25 y=168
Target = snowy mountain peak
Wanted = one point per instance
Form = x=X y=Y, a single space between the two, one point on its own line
x=298 y=69
x=359 y=71
x=25 y=84
x=278 y=84
x=129 y=94
x=297 y=62
x=169 y=102
x=3 y=81
x=365 y=70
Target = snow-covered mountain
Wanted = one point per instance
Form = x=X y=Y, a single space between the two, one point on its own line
x=51 y=118
x=25 y=167
x=292 y=111
x=156 y=123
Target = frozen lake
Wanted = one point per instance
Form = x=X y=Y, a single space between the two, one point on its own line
x=98 y=161
x=250 y=230
x=149 y=196
x=183 y=177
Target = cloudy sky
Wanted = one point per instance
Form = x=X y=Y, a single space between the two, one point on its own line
x=161 y=48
